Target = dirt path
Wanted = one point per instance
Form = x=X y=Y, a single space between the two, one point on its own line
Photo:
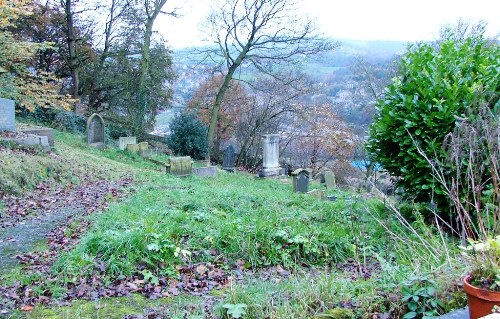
x=28 y=220
x=29 y=235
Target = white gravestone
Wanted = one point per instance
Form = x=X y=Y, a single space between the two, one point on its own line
x=270 y=155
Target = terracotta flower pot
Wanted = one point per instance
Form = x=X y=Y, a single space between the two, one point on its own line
x=481 y=301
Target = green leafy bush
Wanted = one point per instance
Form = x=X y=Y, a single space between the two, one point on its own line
x=189 y=136
x=436 y=86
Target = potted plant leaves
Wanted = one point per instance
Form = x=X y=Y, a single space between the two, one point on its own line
x=482 y=284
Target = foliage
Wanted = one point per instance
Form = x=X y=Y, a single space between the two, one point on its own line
x=419 y=295
x=421 y=106
x=31 y=89
x=484 y=257
x=188 y=136
x=235 y=310
x=235 y=104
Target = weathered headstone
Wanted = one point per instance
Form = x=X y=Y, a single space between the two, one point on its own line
x=270 y=155
x=34 y=140
x=41 y=131
x=123 y=141
x=301 y=180
x=143 y=148
x=133 y=148
x=329 y=180
x=318 y=193
x=209 y=171
x=180 y=166
x=7 y=115
x=229 y=158
x=95 y=131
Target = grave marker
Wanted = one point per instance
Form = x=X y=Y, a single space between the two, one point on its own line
x=95 y=131
x=7 y=115
x=330 y=180
x=270 y=155
x=180 y=166
x=301 y=180
x=229 y=159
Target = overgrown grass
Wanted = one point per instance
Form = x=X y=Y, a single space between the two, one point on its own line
x=260 y=223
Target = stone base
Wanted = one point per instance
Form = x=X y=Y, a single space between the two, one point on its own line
x=48 y=132
x=270 y=171
x=210 y=171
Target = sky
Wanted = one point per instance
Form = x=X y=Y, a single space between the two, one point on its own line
x=399 y=20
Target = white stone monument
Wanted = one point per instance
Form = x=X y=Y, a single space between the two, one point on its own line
x=270 y=155
x=7 y=115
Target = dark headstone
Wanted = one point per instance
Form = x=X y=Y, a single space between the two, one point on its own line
x=7 y=115
x=95 y=130
x=229 y=159
x=301 y=180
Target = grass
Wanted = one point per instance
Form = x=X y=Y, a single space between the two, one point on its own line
x=257 y=221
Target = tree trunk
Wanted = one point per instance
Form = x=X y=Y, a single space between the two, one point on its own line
x=145 y=62
x=71 y=40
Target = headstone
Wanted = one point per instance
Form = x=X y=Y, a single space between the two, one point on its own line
x=143 y=148
x=123 y=141
x=41 y=131
x=229 y=158
x=301 y=180
x=133 y=148
x=95 y=131
x=329 y=180
x=318 y=193
x=33 y=140
x=210 y=171
x=270 y=155
x=7 y=115
x=180 y=166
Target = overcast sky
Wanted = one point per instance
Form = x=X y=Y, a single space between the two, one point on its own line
x=403 y=20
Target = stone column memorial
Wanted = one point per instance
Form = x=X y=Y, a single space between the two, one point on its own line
x=270 y=155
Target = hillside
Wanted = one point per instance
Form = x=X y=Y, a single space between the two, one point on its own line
x=163 y=246
x=332 y=71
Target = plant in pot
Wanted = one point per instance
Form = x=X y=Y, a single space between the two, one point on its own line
x=482 y=284
x=470 y=176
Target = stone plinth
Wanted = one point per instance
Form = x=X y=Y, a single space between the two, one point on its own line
x=124 y=141
x=180 y=166
x=210 y=171
x=270 y=155
x=42 y=131
x=7 y=115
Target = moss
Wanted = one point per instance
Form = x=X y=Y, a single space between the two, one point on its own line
x=103 y=308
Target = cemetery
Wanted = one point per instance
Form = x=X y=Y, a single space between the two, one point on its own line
x=274 y=172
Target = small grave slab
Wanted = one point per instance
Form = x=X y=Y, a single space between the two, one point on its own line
x=180 y=166
x=40 y=131
x=124 y=141
x=330 y=180
x=318 y=193
x=209 y=171
x=229 y=159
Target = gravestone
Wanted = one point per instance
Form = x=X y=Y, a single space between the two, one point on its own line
x=143 y=148
x=7 y=115
x=133 y=148
x=301 y=180
x=41 y=131
x=229 y=158
x=180 y=166
x=270 y=155
x=209 y=171
x=329 y=180
x=318 y=193
x=95 y=131
x=123 y=141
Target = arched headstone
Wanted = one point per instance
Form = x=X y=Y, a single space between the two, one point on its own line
x=95 y=130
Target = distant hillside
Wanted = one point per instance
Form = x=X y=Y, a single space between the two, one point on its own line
x=331 y=69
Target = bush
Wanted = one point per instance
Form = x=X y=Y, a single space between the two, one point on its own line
x=436 y=86
x=188 y=136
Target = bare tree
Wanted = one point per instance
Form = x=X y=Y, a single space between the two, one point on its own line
x=264 y=34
